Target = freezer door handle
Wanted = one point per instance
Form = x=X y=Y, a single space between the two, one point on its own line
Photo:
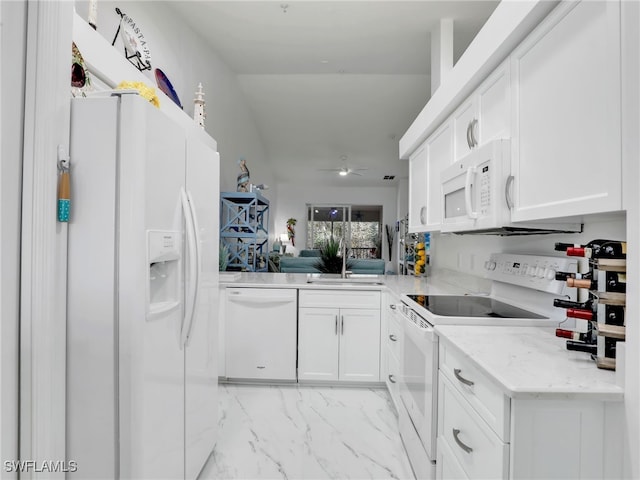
x=198 y=271
x=192 y=271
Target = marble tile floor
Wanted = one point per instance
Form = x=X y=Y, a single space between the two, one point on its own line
x=306 y=432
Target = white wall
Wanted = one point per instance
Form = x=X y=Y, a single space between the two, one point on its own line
x=187 y=60
x=293 y=198
x=12 y=76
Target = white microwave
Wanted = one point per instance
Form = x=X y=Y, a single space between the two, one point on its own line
x=477 y=196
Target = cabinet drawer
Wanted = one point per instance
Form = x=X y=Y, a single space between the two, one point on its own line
x=474 y=445
x=477 y=388
x=340 y=299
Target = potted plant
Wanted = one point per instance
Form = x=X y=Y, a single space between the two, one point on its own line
x=330 y=260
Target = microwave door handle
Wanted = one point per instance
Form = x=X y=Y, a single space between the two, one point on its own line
x=467 y=193
x=507 y=191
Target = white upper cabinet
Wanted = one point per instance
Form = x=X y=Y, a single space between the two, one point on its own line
x=566 y=84
x=439 y=157
x=418 y=189
x=485 y=115
x=465 y=118
x=494 y=107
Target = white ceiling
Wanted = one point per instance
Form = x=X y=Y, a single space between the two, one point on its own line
x=329 y=80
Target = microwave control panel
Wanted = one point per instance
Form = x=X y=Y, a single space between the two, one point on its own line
x=531 y=271
x=485 y=189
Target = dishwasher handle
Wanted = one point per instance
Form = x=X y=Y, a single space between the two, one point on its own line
x=253 y=300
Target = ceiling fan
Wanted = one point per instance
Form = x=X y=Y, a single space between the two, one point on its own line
x=344 y=171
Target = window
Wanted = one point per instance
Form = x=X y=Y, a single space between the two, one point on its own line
x=359 y=225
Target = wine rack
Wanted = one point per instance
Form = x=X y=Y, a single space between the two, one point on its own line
x=605 y=308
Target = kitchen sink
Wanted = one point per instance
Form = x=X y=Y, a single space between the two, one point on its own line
x=351 y=279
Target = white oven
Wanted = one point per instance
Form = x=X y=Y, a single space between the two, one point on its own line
x=418 y=392
x=522 y=294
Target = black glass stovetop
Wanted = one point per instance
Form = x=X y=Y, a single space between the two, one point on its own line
x=470 y=306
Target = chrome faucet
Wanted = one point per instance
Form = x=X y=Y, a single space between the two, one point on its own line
x=345 y=273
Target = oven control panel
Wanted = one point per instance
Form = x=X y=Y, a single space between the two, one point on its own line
x=531 y=271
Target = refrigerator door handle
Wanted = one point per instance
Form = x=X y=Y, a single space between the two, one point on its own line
x=190 y=250
x=186 y=334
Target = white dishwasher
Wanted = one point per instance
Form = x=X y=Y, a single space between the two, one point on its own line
x=261 y=333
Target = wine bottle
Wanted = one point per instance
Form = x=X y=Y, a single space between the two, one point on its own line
x=562 y=276
x=606 y=282
x=582 y=283
x=563 y=247
x=607 y=346
x=605 y=249
x=591 y=348
x=611 y=314
x=559 y=302
x=573 y=335
x=615 y=282
x=581 y=314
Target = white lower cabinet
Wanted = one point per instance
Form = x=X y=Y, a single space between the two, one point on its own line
x=391 y=346
x=341 y=342
x=478 y=449
x=483 y=433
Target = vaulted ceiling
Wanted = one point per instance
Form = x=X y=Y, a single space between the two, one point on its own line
x=333 y=84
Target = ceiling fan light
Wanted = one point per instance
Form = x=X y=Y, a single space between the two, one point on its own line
x=343 y=172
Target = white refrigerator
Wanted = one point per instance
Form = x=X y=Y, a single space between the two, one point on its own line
x=142 y=292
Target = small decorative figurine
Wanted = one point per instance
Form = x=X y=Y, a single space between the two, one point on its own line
x=92 y=18
x=198 y=106
x=243 y=176
x=291 y=231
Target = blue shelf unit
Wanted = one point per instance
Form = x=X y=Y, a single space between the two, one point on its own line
x=244 y=229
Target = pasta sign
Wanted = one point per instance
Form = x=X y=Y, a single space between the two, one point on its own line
x=136 y=49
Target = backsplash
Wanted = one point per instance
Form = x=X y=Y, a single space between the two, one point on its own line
x=467 y=253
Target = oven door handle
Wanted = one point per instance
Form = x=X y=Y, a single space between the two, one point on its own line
x=416 y=333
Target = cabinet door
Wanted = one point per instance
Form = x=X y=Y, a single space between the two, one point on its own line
x=494 y=112
x=418 y=189
x=439 y=157
x=359 y=345
x=566 y=149
x=463 y=118
x=560 y=439
x=318 y=343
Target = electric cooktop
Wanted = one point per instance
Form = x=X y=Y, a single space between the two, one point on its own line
x=470 y=306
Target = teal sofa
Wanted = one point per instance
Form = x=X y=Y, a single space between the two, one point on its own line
x=305 y=264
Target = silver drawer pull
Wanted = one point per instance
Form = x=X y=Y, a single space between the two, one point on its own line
x=391 y=379
x=456 y=372
x=393 y=338
x=464 y=447
x=260 y=367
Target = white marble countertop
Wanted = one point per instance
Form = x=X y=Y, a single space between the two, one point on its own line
x=531 y=362
x=397 y=284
